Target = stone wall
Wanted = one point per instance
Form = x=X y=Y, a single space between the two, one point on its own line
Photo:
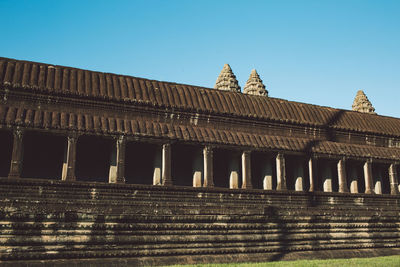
x=61 y=222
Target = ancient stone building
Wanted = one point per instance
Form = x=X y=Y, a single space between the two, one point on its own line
x=122 y=170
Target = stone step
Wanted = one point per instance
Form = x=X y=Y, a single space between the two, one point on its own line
x=52 y=219
x=99 y=189
x=161 y=238
x=208 y=202
x=92 y=251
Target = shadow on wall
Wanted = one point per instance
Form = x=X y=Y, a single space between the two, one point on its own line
x=284 y=238
x=100 y=228
x=327 y=127
x=271 y=214
x=31 y=225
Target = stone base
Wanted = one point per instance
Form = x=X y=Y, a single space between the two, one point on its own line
x=82 y=223
x=206 y=259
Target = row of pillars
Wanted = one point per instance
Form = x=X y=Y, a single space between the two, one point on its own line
x=162 y=171
x=370 y=187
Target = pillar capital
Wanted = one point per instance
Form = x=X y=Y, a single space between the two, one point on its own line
x=208 y=150
x=72 y=138
x=166 y=146
x=121 y=139
x=18 y=132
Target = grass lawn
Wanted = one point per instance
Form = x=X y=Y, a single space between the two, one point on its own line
x=389 y=261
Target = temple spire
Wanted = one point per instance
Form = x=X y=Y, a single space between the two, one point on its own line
x=227 y=80
x=254 y=85
x=362 y=104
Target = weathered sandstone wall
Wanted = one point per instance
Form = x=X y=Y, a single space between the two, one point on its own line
x=65 y=223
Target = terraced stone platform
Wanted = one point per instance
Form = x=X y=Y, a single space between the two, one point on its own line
x=79 y=223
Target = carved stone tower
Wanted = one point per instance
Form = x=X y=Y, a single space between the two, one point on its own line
x=362 y=104
x=227 y=80
x=254 y=85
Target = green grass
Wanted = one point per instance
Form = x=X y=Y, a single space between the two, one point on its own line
x=389 y=261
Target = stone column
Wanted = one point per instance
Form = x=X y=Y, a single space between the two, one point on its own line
x=17 y=154
x=298 y=185
x=353 y=180
x=327 y=178
x=68 y=170
x=208 y=167
x=368 y=177
x=198 y=169
x=342 y=177
x=117 y=161
x=157 y=167
x=311 y=174
x=246 y=170
x=234 y=172
x=377 y=180
x=166 y=165
x=280 y=172
x=267 y=175
x=394 y=184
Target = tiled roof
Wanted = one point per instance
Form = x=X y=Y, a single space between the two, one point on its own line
x=59 y=80
x=87 y=123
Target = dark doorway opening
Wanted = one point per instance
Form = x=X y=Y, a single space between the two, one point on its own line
x=327 y=168
x=335 y=177
x=93 y=158
x=6 y=145
x=224 y=161
x=291 y=172
x=385 y=179
x=140 y=162
x=355 y=168
x=43 y=155
x=306 y=180
x=183 y=164
x=262 y=165
x=297 y=166
x=380 y=172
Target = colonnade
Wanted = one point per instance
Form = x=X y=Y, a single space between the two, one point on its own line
x=203 y=172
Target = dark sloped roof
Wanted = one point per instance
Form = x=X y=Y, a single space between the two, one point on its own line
x=88 y=123
x=59 y=80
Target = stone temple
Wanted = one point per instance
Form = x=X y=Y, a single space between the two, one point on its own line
x=105 y=169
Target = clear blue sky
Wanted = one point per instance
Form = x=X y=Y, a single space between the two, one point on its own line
x=318 y=52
